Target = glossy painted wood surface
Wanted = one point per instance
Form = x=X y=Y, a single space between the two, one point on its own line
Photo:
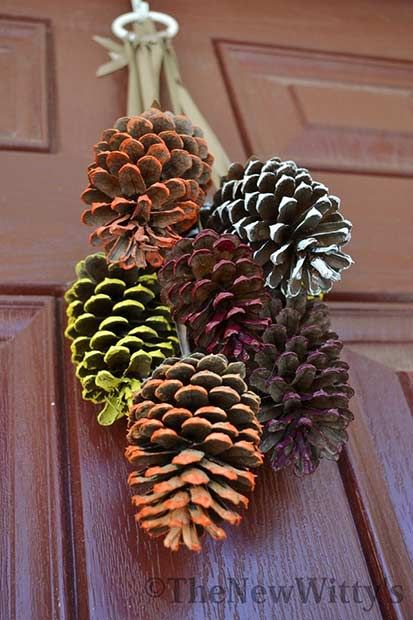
x=348 y=524
x=347 y=118
x=44 y=188
x=34 y=535
x=69 y=546
x=289 y=534
x=353 y=528
x=379 y=349
x=352 y=88
x=76 y=551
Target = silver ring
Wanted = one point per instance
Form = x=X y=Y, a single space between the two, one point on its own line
x=119 y=30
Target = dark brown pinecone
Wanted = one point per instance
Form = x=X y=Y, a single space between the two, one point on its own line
x=304 y=389
x=146 y=186
x=291 y=222
x=194 y=437
x=217 y=291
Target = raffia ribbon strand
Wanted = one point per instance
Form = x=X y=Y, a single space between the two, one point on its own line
x=145 y=62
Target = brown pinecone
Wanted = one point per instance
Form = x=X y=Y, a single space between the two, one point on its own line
x=290 y=221
x=146 y=186
x=194 y=437
x=304 y=387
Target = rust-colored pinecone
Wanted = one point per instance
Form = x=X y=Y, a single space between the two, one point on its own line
x=217 y=291
x=146 y=186
x=290 y=221
x=194 y=437
x=304 y=389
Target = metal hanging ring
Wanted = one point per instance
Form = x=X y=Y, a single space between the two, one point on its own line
x=119 y=30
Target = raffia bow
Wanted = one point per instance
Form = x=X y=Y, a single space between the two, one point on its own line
x=146 y=61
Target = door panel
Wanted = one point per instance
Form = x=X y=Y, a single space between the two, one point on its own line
x=342 y=116
x=289 y=533
x=378 y=464
x=35 y=556
x=42 y=236
x=328 y=84
x=353 y=527
x=353 y=92
x=333 y=111
x=26 y=120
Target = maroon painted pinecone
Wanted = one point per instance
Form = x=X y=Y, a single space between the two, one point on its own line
x=193 y=439
x=146 y=186
x=303 y=385
x=217 y=291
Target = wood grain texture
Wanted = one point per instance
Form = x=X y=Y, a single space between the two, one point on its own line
x=379 y=349
x=294 y=529
x=52 y=244
x=34 y=560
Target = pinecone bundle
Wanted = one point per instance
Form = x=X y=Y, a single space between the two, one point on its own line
x=290 y=221
x=193 y=438
x=120 y=332
x=146 y=186
x=217 y=291
x=303 y=384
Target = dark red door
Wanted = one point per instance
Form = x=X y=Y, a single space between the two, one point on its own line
x=327 y=84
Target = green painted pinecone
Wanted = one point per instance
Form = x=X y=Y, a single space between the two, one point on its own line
x=303 y=385
x=120 y=332
x=291 y=222
x=193 y=439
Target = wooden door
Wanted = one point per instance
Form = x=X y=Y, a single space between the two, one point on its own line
x=329 y=84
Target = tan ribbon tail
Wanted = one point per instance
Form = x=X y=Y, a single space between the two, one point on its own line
x=116 y=53
x=156 y=51
x=221 y=159
x=182 y=333
x=154 y=59
x=184 y=104
x=172 y=77
x=113 y=65
x=134 y=104
x=109 y=44
x=145 y=70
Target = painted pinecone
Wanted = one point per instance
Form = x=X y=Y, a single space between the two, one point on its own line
x=303 y=384
x=217 y=291
x=291 y=222
x=120 y=332
x=194 y=437
x=146 y=186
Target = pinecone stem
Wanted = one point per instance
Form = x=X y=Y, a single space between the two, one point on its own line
x=199 y=223
x=183 y=339
x=319 y=297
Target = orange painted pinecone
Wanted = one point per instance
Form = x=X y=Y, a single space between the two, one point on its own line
x=146 y=186
x=194 y=436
